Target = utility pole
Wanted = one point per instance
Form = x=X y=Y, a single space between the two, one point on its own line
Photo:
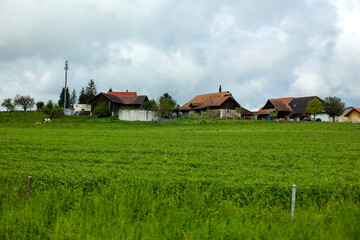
x=66 y=68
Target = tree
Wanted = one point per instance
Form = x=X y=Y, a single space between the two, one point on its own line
x=166 y=105
x=101 y=110
x=39 y=105
x=273 y=113
x=149 y=105
x=62 y=98
x=239 y=112
x=82 y=97
x=24 y=101
x=72 y=99
x=110 y=90
x=8 y=104
x=334 y=106
x=90 y=91
x=314 y=107
x=51 y=109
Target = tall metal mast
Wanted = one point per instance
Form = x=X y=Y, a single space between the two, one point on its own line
x=66 y=68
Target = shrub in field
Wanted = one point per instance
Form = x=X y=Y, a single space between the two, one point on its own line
x=193 y=115
x=51 y=109
x=102 y=110
x=208 y=114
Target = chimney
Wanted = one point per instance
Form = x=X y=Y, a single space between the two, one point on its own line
x=220 y=88
x=127 y=90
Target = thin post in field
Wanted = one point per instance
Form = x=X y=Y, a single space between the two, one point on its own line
x=293 y=195
x=29 y=187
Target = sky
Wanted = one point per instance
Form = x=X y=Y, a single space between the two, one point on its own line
x=255 y=49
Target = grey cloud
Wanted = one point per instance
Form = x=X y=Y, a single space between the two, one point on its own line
x=255 y=49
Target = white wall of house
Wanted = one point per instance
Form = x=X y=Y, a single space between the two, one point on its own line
x=137 y=115
x=324 y=117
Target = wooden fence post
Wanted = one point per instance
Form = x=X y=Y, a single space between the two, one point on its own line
x=29 y=187
x=293 y=195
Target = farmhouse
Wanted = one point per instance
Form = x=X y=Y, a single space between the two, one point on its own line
x=118 y=100
x=288 y=107
x=222 y=103
x=353 y=115
x=281 y=105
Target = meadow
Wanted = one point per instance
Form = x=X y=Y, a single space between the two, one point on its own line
x=101 y=178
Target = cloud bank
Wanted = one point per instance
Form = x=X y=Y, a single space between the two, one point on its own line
x=255 y=49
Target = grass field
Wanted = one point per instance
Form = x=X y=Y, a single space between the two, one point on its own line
x=99 y=178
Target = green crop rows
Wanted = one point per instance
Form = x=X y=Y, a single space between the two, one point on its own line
x=99 y=178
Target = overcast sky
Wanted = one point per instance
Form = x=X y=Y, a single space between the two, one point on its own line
x=255 y=49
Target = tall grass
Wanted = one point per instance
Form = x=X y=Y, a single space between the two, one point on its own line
x=98 y=178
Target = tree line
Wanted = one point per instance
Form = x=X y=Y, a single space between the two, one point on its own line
x=164 y=106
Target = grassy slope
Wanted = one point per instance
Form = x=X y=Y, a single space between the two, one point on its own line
x=218 y=153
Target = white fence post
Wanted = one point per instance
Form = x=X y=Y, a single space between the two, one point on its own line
x=29 y=187
x=293 y=201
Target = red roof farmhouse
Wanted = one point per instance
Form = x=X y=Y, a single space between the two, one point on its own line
x=222 y=103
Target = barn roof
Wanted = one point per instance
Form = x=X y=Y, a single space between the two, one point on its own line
x=123 y=93
x=299 y=104
x=352 y=110
x=208 y=100
x=126 y=100
x=288 y=104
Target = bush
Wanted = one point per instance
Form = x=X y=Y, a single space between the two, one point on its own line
x=102 y=110
x=193 y=115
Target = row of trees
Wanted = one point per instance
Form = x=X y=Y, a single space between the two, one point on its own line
x=25 y=102
x=86 y=94
x=333 y=106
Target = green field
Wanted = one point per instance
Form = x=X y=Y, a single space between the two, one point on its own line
x=100 y=178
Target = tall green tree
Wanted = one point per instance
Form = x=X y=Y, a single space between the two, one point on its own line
x=8 y=104
x=24 y=101
x=90 y=91
x=82 y=97
x=72 y=99
x=334 y=106
x=314 y=107
x=166 y=106
x=62 y=97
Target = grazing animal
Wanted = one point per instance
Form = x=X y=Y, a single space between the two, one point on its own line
x=47 y=120
x=38 y=123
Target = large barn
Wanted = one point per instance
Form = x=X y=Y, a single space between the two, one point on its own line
x=289 y=107
x=118 y=100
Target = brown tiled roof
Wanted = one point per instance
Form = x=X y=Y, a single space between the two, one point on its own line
x=281 y=105
x=133 y=100
x=123 y=93
x=354 y=109
x=126 y=100
x=207 y=100
x=286 y=100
